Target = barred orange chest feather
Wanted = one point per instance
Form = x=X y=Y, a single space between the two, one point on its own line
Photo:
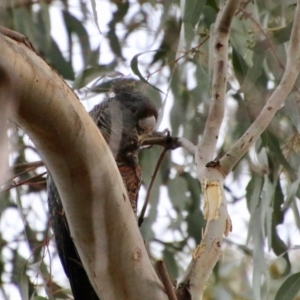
x=132 y=177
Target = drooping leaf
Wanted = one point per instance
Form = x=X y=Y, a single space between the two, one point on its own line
x=58 y=62
x=75 y=26
x=253 y=191
x=239 y=65
x=282 y=35
x=118 y=16
x=195 y=218
x=255 y=71
x=192 y=11
x=280 y=248
x=19 y=276
x=292 y=110
x=95 y=14
x=290 y=288
x=135 y=69
x=90 y=74
x=171 y=264
x=271 y=141
x=177 y=189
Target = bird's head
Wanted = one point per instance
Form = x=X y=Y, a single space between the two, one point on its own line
x=138 y=110
x=125 y=118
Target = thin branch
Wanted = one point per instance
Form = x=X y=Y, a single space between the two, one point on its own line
x=165 y=278
x=207 y=145
x=27 y=181
x=273 y=104
x=26 y=166
x=141 y=218
x=169 y=142
x=21 y=169
x=187 y=145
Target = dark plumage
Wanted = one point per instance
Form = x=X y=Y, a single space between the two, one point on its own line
x=122 y=120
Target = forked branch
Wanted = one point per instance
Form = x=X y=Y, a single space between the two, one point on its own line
x=207 y=145
x=278 y=97
x=218 y=222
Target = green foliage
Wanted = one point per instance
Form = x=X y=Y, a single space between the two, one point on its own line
x=289 y=288
x=167 y=46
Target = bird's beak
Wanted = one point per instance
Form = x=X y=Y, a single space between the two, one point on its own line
x=147 y=124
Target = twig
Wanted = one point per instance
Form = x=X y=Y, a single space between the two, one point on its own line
x=165 y=278
x=141 y=218
x=23 y=182
x=21 y=169
x=187 y=145
x=180 y=57
x=169 y=142
x=26 y=166
x=278 y=97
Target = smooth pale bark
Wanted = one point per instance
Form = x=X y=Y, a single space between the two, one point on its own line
x=207 y=145
x=209 y=172
x=212 y=173
x=98 y=211
x=7 y=105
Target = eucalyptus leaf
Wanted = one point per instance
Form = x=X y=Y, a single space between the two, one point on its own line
x=136 y=71
x=95 y=14
x=193 y=10
x=75 y=26
x=171 y=263
x=290 y=288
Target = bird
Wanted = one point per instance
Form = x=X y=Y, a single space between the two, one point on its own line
x=124 y=119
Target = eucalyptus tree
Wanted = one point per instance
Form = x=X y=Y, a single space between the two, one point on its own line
x=225 y=76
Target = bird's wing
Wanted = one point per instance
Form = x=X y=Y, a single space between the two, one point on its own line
x=80 y=284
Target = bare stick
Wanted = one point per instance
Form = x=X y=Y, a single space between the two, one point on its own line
x=21 y=169
x=27 y=181
x=165 y=278
x=207 y=145
x=141 y=218
x=25 y=167
x=273 y=104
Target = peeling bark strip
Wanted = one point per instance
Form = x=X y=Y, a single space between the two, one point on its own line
x=228 y=227
x=212 y=199
x=197 y=253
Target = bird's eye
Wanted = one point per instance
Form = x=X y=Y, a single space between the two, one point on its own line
x=133 y=110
